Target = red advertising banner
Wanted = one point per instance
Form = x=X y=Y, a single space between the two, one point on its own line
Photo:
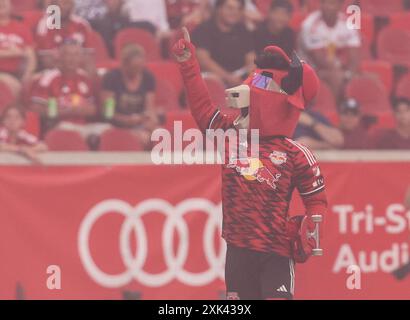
x=155 y=231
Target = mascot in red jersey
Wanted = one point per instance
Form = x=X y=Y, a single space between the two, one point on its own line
x=263 y=241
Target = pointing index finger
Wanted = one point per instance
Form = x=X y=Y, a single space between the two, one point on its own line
x=185 y=32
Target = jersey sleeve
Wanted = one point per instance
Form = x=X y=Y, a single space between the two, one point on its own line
x=309 y=181
x=308 y=175
x=204 y=111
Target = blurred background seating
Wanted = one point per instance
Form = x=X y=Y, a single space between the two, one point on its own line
x=374 y=73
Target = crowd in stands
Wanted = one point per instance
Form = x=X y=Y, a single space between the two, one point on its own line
x=106 y=79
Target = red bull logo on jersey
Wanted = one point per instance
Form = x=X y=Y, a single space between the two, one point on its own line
x=278 y=157
x=253 y=169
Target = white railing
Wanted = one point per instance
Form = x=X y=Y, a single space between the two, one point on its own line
x=144 y=158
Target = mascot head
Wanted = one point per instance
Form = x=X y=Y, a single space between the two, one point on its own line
x=273 y=96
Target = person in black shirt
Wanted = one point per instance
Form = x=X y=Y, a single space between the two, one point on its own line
x=132 y=90
x=224 y=45
x=275 y=30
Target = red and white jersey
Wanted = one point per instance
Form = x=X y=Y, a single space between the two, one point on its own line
x=256 y=191
x=76 y=29
x=22 y=138
x=67 y=89
x=54 y=84
x=316 y=34
x=14 y=34
x=256 y=194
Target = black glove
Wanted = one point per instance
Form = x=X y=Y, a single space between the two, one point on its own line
x=294 y=80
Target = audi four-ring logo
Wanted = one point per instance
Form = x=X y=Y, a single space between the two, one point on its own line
x=174 y=259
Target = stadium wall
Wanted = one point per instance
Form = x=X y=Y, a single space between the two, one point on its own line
x=114 y=224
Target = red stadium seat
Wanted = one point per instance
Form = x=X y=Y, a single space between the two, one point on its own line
x=385 y=120
x=168 y=71
x=19 y=6
x=325 y=102
x=381 y=7
x=367 y=27
x=381 y=69
x=185 y=119
x=138 y=36
x=97 y=43
x=103 y=59
x=64 y=140
x=165 y=95
x=393 y=45
x=369 y=90
x=403 y=87
x=366 y=49
x=6 y=96
x=216 y=90
x=400 y=20
x=119 y=140
x=184 y=116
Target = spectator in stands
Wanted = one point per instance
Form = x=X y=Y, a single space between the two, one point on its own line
x=73 y=28
x=90 y=9
x=66 y=96
x=397 y=138
x=111 y=22
x=17 y=56
x=315 y=131
x=13 y=137
x=330 y=45
x=151 y=14
x=252 y=16
x=131 y=89
x=224 y=45
x=275 y=30
x=354 y=125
